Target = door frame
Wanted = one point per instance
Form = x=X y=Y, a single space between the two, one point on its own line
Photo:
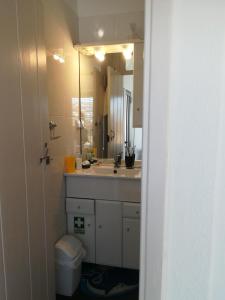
x=155 y=107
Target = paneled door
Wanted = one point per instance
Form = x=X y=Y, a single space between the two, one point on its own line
x=32 y=56
x=23 y=132
x=116 y=113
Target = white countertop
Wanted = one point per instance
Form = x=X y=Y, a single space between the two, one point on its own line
x=107 y=171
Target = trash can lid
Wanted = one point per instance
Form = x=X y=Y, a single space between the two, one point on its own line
x=67 y=248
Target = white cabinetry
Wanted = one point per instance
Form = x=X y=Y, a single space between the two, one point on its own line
x=108 y=228
x=109 y=233
x=81 y=222
x=131 y=235
x=138 y=84
x=131 y=241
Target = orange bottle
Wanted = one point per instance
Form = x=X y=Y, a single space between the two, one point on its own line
x=69 y=164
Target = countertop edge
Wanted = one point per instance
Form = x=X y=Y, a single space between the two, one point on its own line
x=101 y=176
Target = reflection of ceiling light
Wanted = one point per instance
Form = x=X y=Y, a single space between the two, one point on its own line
x=101 y=33
x=59 y=58
x=127 y=53
x=100 y=55
x=56 y=56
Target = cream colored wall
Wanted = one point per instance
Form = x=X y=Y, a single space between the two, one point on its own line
x=32 y=207
x=60 y=34
x=62 y=83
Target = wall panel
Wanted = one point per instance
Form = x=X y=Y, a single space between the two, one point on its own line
x=12 y=171
x=32 y=119
x=2 y=273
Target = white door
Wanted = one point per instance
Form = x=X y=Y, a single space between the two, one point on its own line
x=131 y=243
x=109 y=233
x=35 y=122
x=22 y=123
x=115 y=112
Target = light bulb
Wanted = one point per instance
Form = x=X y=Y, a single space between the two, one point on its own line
x=127 y=53
x=100 y=55
x=61 y=60
x=101 y=33
x=56 y=57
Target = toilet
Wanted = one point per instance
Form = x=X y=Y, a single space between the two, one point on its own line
x=69 y=254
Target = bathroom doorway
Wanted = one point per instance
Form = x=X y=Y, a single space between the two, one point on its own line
x=103 y=201
x=108 y=115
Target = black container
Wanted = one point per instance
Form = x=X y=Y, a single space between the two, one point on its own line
x=129 y=161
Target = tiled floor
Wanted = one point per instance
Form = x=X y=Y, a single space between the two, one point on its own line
x=116 y=276
x=80 y=296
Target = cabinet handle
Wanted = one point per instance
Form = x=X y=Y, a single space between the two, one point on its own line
x=100 y=226
x=128 y=229
x=89 y=225
x=137 y=212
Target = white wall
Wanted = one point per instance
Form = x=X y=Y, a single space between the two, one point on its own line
x=114 y=17
x=189 y=252
x=72 y=4
x=62 y=86
x=196 y=95
x=154 y=166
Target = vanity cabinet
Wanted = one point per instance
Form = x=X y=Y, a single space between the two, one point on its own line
x=131 y=235
x=131 y=241
x=109 y=230
x=108 y=223
x=81 y=222
x=109 y=233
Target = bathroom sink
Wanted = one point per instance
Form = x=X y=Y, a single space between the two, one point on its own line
x=102 y=170
x=100 y=182
x=108 y=170
x=118 y=172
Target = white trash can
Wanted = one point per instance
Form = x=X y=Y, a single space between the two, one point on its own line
x=69 y=254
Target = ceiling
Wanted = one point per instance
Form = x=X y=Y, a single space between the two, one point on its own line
x=86 y=8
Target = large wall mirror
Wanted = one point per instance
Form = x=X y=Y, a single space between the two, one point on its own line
x=106 y=100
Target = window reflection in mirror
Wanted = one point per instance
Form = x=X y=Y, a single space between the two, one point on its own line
x=106 y=102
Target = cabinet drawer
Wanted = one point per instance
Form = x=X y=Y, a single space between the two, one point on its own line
x=131 y=210
x=80 y=206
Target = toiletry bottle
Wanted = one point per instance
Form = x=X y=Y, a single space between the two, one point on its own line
x=78 y=161
x=69 y=164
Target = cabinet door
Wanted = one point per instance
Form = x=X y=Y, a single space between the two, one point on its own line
x=83 y=227
x=131 y=243
x=138 y=84
x=109 y=233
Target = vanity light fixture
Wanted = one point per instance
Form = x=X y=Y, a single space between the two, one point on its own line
x=127 y=53
x=100 y=55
